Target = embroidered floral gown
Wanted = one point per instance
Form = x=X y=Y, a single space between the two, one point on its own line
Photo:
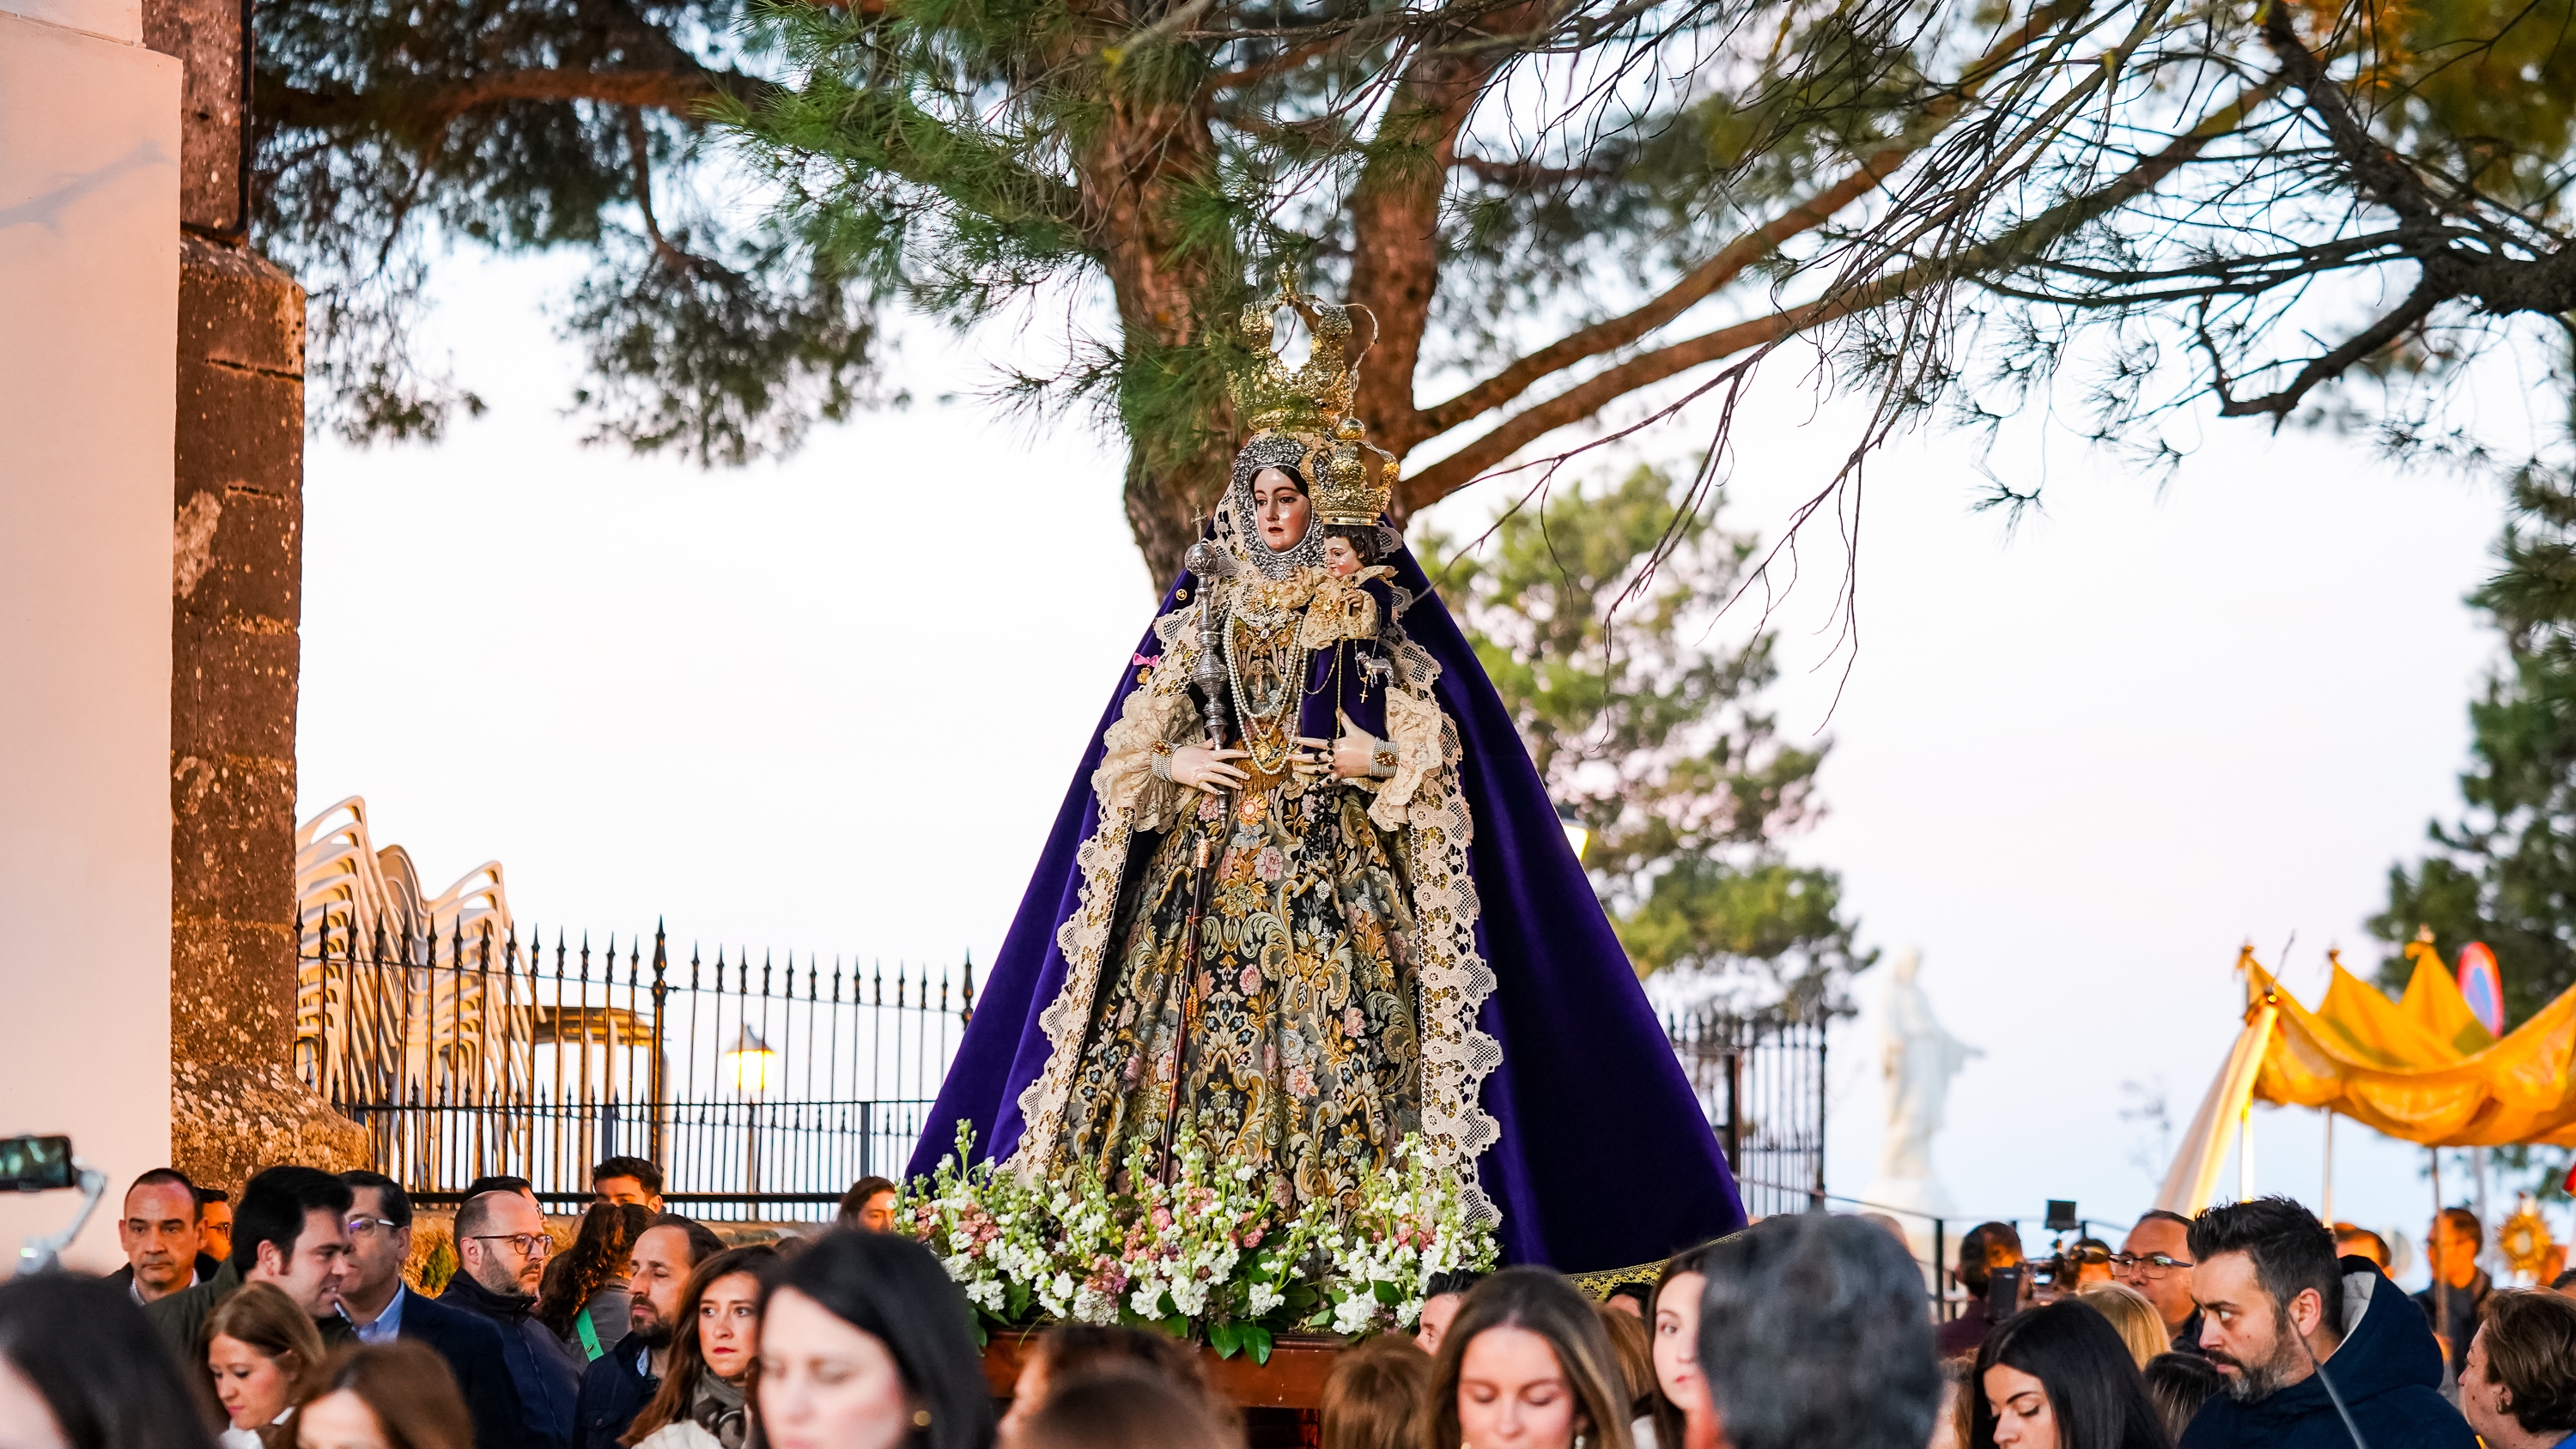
x=1295 y=1044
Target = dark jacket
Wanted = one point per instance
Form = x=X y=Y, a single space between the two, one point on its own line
x=613 y=1392
x=206 y=1268
x=476 y=1354
x=2466 y=1304
x=182 y=1315
x=545 y=1373
x=1964 y=1334
x=2388 y=1370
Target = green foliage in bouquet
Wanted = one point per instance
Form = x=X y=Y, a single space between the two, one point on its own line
x=1209 y=1249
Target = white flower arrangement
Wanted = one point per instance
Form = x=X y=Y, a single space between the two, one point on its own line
x=1197 y=1251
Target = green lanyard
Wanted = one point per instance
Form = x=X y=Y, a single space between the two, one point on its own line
x=589 y=1335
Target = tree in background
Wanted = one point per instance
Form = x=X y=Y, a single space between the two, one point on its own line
x=386 y=134
x=2505 y=873
x=1649 y=738
x=2146 y=210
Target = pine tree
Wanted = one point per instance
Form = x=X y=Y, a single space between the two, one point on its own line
x=2505 y=873
x=1589 y=611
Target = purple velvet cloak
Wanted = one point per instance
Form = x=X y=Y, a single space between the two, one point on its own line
x=1604 y=1159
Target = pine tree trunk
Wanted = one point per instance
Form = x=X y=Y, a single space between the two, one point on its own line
x=1137 y=162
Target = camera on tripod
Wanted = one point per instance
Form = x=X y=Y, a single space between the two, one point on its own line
x=46 y=1164
x=2040 y=1280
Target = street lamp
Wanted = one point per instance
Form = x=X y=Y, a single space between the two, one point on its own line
x=752 y=1066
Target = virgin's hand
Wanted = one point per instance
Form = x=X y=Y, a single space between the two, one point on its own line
x=1201 y=768
x=1354 y=756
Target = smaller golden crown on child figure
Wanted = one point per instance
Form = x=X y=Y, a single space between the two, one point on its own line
x=1358 y=481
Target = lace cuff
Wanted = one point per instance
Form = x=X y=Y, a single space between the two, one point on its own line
x=1413 y=725
x=1134 y=774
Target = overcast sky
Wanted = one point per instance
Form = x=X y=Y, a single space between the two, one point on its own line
x=830 y=705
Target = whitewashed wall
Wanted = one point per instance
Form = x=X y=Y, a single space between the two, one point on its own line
x=89 y=234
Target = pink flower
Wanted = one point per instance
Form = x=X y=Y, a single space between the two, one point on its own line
x=1252 y=1239
x=1208 y=808
x=1250 y=980
x=1354 y=1023
x=1269 y=865
x=1301 y=1082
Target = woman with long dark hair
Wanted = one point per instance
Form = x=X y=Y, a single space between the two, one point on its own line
x=1526 y=1365
x=2059 y=1377
x=705 y=1398
x=583 y=1297
x=1678 y=1415
x=866 y=1344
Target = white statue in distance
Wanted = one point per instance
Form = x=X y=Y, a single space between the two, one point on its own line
x=1918 y=1058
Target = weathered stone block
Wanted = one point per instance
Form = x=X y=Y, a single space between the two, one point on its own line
x=209 y=37
x=238 y=1000
x=239 y=429
x=232 y=691
x=238 y=308
x=232 y=842
x=239 y=558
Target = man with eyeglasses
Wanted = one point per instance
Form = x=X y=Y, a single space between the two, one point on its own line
x=2156 y=1260
x=501 y=1249
x=379 y=1308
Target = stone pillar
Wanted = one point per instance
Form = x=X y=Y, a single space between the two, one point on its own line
x=236 y=590
x=89 y=188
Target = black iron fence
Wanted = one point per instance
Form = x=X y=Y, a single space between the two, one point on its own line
x=763 y=1090
x=1760 y=1077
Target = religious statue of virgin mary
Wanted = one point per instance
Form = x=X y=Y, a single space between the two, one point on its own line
x=1307 y=898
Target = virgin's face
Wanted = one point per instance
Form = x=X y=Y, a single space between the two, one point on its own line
x=1676 y=1344
x=729 y=1325
x=250 y=1384
x=1279 y=506
x=824 y=1383
x=1512 y=1393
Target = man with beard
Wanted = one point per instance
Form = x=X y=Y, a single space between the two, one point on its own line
x=617 y=1386
x=501 y=1251
x=2302 y=1341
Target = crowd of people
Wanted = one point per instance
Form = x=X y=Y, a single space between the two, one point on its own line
x=289 y=1321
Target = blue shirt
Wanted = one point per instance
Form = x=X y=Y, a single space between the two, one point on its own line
x=388 y=1324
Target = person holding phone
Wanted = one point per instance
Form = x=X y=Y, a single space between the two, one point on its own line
x=1990 y=1263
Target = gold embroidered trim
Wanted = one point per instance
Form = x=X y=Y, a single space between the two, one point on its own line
x=1340 y=610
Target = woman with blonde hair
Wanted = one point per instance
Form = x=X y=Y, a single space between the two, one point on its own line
x=1526 y=1365
x=2141 y=1328
x=264 y=1354
x=704 y=1401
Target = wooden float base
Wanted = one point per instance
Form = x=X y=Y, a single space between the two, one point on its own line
x=1282 y=1401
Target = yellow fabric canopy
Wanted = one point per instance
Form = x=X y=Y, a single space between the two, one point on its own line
x=2421 y=1068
